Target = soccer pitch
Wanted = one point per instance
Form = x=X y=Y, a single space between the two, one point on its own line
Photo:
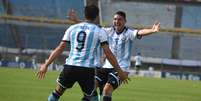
x=22 y=85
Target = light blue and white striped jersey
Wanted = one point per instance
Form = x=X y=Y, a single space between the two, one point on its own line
x=85 y=39
x=121 y=46
x=99 y=55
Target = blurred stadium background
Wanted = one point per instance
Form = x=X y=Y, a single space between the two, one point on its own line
x=30 y=29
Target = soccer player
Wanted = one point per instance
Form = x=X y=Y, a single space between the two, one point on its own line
x=138 y=62
x=121 y=39
x=84 y=38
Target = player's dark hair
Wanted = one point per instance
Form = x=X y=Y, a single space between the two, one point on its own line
x=121 y=13
x=91 y=12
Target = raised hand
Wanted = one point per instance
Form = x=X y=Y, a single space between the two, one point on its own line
x=156 y=27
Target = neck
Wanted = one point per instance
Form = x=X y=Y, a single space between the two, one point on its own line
x=89 y=21
x=120 y=31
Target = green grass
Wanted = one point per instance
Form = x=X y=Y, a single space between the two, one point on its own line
x=22 y=85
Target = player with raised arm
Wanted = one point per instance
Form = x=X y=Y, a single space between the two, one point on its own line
x=84 y=38
x=121 y=39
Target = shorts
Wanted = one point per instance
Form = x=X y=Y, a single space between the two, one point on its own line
x=107 y=75
x=138 y=66
x=84 y=76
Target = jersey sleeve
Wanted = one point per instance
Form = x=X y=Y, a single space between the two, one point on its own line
x=66 y=36
x=134 y=34
x=108 y=30
x=103 y=36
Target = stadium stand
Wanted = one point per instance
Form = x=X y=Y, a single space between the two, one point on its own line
x=34 y=27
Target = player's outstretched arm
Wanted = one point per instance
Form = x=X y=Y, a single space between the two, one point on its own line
x=55 y=53
x=109 y=55
x=155 y=28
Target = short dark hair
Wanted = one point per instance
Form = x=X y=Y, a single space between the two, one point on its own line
x=121 y=13
x=91 y=12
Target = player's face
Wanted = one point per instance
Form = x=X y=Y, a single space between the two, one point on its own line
x=118 y=22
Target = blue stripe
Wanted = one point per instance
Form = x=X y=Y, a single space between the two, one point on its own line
x=130 y=53
x=73 y=38
x=88 y=47
x=127 y=56
x=111 y=43
x=122 y=49
x=130 y=49
x=98 y=53
x=90 y=41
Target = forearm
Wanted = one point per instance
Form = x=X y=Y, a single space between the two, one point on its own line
x=144 y=32
x=111 y=58
x=53 y=56
x=155 y=28
x=55 y=53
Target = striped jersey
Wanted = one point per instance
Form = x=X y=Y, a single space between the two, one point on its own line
x=85 y=39
x=99 y=55
x=121 y=46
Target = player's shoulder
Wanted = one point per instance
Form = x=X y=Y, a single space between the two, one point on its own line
x=84 y=25
x=79 y=24
x=74 y=26
x=90 y=25
x=130 y=29
x=108 y=30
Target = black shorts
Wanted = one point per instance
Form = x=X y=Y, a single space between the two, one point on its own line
x=107 y=75
x=84 y=76
x=138 y=66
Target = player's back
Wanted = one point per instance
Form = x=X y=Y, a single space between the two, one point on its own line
x=84 y=40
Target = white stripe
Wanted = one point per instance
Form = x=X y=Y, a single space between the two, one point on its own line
x=60 y=83
x=115 y=78
x=99 y=79
x=93 y=89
